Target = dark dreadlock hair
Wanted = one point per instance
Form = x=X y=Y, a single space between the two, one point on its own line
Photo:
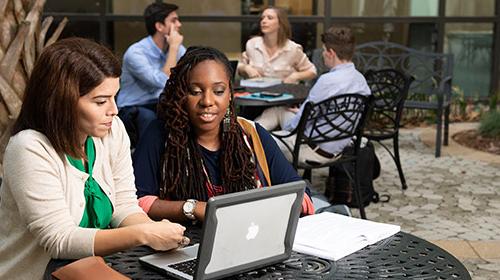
x=182 y=171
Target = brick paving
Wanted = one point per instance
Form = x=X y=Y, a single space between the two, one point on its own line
x=453 y=201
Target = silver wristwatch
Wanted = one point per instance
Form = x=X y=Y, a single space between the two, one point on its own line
x=188 y=208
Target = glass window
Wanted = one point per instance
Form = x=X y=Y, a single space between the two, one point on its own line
x=420 y=36
x=209 y=34
x=74 y=28
x=74 y=6
x=470 y=8
x=367 y=32
x=305 y=34
x=192 y=7
x=424 y=8
x=253 y=7
x=127 y=33
x=135 y=7
x=210 y=7
x=384 y=8
x=301 y=7
x=471 y=46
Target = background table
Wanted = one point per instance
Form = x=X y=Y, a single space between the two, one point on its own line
x=299 y=92
x=402 y=256
x=250 y=109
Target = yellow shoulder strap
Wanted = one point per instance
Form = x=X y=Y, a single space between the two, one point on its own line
x=250 y=130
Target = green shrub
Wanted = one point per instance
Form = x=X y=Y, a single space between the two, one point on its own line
x=490 y=124
x=494 y=102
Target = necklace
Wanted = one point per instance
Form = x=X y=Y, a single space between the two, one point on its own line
x=212 y=190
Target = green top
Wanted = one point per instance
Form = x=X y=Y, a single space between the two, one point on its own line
x=98 y=207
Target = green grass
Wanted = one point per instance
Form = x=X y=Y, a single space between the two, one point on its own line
x=490 y=124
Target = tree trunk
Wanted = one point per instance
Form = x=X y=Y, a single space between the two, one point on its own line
x=22 y=39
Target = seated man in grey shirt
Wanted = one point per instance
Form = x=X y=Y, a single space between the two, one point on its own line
x=338 y=49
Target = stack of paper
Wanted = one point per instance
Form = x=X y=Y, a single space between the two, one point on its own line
x=260 y=82
x=333 y=236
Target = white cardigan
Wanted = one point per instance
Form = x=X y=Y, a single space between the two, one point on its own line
x=42 y=200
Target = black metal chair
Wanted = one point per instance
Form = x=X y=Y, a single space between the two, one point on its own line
x=336 y=118
x=432 y=72
x=389 y=89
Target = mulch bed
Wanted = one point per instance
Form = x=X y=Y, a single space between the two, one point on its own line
x=472 y=139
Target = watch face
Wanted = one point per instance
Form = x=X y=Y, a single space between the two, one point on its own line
x=188 y=207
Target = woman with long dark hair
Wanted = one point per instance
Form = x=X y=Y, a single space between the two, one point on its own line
x=273 y=54
x=68 y=187
x=199 y=148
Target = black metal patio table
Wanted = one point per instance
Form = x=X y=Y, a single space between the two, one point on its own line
x=299 y=92
x=250 y=108
x=402 y=256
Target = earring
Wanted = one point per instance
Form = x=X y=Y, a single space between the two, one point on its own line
x=226 y=124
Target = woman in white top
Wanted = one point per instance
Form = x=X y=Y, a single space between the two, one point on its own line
x=68 y=189
x=273 y=54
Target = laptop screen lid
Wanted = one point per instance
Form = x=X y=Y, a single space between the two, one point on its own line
x=249 y=229
x=241 y=231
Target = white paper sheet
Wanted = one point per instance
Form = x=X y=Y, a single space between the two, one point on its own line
x=333 y=236
x=260 y=82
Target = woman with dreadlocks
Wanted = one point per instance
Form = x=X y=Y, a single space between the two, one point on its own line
x=198 y=148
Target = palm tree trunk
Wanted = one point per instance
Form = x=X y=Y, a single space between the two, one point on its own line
x=22 y=39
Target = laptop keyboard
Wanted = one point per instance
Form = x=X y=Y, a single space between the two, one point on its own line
x=187 y=267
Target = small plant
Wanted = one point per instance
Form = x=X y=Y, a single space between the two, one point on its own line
x=494 y=101
x=458 y=98
x=490 y=124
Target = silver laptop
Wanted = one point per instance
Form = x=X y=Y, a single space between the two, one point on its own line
x=242 y=231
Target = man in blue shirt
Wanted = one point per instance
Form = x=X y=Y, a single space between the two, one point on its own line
x=338 y=49
x=146 y=67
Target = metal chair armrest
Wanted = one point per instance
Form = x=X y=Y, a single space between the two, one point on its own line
x=280 y=138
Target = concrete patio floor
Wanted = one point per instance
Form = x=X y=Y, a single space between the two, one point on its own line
x=452 y=201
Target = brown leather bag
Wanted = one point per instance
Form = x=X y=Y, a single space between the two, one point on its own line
x=86 y=269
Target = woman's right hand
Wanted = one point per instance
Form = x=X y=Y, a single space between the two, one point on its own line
x=163 y=235
x=252 y=72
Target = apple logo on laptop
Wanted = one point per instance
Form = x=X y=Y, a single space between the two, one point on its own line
x=253 y=230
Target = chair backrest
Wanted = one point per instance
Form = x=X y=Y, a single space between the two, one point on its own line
x=389 y=89
x=432 y=71
x=336 y=118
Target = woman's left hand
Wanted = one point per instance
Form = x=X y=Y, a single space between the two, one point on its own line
x=162 y=235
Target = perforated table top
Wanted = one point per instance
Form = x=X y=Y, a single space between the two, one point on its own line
x=402 y=256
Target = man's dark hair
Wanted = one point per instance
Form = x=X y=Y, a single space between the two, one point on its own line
x=157 y=12
x=341 y=40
